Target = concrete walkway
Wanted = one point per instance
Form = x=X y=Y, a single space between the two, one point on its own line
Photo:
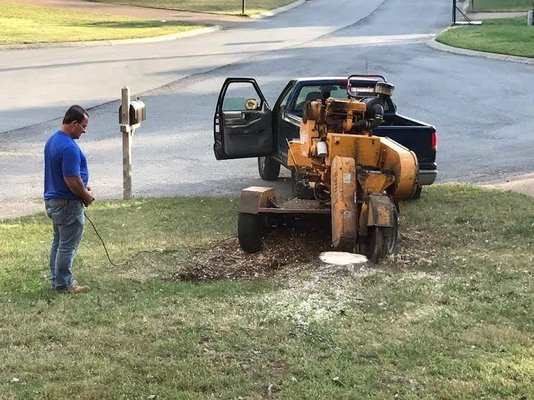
x=495 y=15
x=522 y=184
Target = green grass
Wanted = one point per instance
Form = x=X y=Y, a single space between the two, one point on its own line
x=209 y=6
x=26 y=24
x=501 y=5
x=509 y=36
x=450 y=317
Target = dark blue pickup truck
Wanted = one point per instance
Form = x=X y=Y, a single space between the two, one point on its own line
x=245 y=125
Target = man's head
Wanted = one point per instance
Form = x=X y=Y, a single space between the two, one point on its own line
x=75 y=121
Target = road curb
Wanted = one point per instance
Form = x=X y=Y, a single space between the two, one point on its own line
x=279 y=10
x=481 y=54
x=180 y=35
x=523 y=184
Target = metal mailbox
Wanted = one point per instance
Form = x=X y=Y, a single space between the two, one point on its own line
x=137 y=113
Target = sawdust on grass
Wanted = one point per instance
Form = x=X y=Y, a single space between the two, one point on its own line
x=290 y=248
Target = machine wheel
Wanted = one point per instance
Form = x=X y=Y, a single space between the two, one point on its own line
x=299 y=188
x=268 y=168
x=392 y=235
x=376 y=246
x=249 y=232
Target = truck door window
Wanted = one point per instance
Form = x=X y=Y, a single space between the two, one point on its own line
x=306 y=93
x=237 y=95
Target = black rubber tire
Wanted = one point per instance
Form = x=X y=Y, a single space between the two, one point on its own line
x=299 y=193
x=376 y=246
x=268 y=168
x=293 y=182
x=249 y=232
x=417 y=194
x=392 y=235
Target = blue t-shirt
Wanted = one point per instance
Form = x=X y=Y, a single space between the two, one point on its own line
x=63 y=158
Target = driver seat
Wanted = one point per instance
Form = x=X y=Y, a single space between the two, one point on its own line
x=312 y=96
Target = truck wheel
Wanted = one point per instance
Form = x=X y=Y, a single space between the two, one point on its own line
x=249 y=232
x=376 y=244
x=417 y=193
x=268 y=168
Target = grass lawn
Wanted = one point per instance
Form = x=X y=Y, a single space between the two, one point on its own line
x=449 y=317
x=501 y=5
x=26 y=24
x=209 y=6
x=503 y=36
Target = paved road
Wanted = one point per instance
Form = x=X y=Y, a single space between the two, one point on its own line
x=480 y=106
x=39 y=83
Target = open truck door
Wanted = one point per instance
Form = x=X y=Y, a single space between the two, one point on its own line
x=242 y=125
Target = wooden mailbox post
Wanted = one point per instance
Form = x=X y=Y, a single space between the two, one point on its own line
x=131 y=113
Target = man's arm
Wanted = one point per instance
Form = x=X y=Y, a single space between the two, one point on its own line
x=75 y=185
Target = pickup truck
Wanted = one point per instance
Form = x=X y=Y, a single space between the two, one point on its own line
x=245 y=125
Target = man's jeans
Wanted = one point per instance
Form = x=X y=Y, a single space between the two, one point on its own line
x=68 y=222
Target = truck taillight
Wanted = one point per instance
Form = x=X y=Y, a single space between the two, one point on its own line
x=434 y=140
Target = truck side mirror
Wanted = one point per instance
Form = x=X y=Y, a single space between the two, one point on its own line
x=251 y=104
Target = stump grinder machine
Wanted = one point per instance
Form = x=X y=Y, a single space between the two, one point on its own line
x=340 y=168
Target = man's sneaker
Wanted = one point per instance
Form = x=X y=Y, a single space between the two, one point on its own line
x=76 y=288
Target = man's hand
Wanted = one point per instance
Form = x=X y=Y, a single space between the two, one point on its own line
x=87 y=202
x=75 y=185
x=90 y=198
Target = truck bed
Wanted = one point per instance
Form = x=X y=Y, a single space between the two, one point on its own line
x=413 y=134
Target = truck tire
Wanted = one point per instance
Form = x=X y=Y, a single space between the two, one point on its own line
x=249 y=232
x=268 y=168
x=417 y=194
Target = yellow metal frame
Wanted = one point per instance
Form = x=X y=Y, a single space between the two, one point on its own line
x=361 y=171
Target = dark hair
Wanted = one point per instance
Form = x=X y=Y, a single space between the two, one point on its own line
x=75 y=113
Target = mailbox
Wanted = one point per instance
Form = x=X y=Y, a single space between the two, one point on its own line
x=137 y=113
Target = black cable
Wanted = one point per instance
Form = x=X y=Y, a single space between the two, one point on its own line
x=146 y=251
x=103 y=244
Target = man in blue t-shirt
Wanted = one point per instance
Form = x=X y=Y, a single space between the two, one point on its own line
x=66 y=193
